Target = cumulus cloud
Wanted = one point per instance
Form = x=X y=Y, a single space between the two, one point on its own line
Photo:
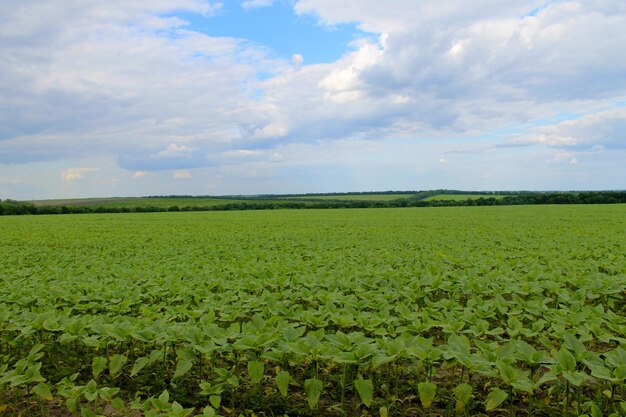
x=296 y=61
x=175 y=150
x=73 y=174
x=119 y=74
x=251 y=4
x=243 y=153
x=595 y=131
x=564 y=156
x=470 y=66
x=181 y=175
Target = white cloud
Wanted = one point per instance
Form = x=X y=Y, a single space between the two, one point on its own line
x=471 y=66
x=181 y=175
x=594 y=131
x=296 y=61
x=272 y=130
x=400 y=15
x=121 y=76
x=442 y=161
x=73 y=174
x=175 y=150
x=140 y=174
x=564 y=156
x=251 y=4
x=243 y=153
x=10 y=181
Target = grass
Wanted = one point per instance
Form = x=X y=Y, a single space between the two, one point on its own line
x=161 y=202
x=355 y=197
x=459 y=197
x=166 y=202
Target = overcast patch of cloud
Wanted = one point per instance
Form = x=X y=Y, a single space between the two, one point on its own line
x=118 y=77
x=469 y=66
x=597 y=131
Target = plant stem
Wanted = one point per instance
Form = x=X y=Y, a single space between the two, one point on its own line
x=566 y=409
x=343 y=388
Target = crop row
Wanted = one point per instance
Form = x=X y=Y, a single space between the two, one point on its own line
x=518 y=344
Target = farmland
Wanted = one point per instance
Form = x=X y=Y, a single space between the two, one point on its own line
x=189 y=201
x=458 y=197
x=400 y=312
x=355 y=197
x=159 y=202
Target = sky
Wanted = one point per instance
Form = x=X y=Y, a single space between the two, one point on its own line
x=208 y=97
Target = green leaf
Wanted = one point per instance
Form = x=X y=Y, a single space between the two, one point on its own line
x=508 y=373
x=256 y=370
x=43 y=391
x=215 y=400
x=282 y=382
x=182 y=367
x=463 y=395
x=547 y=377
x=164 y=397
x=427 y=391
x=32 y=374
x=595 y=410
x=117 y=404
x=313 y=391
x=87 y=412
x=495 y=397
x=186 y=354
x=620 y=372
x=91 y=391
x=566 y=360
x=208 y=411
x=140 y=363
x=573 y=344
x=179 y=411
x=381 y=359
x=71 y=404
x=524 y=384
x=574 y=378
x=616 y=357
x=99 y=365
x=116 y=364
x=233 y=380
x=365 y=388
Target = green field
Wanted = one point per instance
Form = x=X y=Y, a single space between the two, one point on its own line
x=161 y=202
x=400 y=312
x=354 y=197
x=166 y=202
x=459 y=197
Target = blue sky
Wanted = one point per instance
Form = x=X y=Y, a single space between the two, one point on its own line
x=279 y=29
x=204 y=97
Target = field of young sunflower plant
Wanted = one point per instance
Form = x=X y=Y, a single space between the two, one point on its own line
x=457 y=311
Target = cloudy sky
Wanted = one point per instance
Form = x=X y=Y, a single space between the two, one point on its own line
x=131 y=98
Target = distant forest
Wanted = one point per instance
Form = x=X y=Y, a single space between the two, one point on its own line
x=300 y=201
